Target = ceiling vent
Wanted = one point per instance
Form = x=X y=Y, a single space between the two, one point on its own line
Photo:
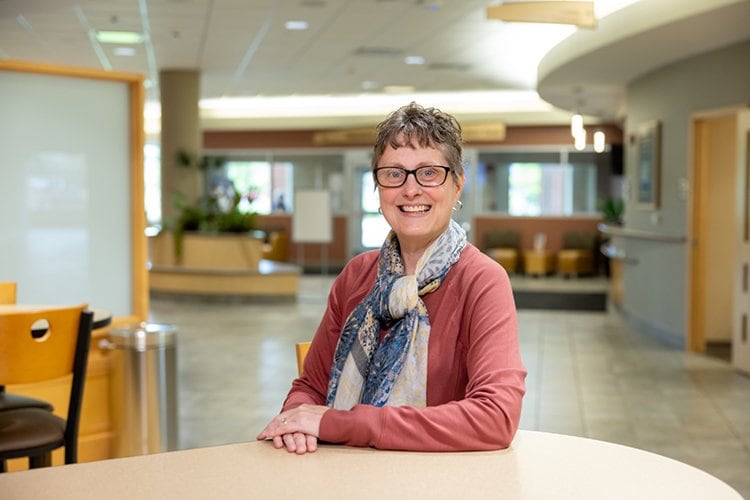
x=379 y=52
x=446 y=66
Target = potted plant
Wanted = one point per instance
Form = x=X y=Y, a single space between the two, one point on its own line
x=612 y=210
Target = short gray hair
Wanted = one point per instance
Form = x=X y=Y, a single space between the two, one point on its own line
x=428 y=127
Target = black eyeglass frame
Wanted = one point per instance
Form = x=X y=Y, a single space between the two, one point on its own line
x=411 y=172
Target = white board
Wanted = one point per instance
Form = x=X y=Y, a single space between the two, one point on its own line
x=312 y=221
x=65 y=233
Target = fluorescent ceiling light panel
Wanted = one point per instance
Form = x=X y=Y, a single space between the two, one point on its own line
x=124 y=51
x=119 y=37
x=371 y=104
x=414 y=60
x=296 y=25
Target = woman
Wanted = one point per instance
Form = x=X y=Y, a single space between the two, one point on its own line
x=418 y=347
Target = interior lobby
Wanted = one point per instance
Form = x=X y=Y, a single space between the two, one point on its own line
x=645 y=345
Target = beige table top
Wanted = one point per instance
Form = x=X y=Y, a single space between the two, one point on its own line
x=537 y=465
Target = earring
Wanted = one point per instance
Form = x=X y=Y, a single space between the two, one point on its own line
x=458 y=206
x=380 y=211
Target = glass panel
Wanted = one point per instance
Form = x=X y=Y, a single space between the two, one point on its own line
x=374 y=230
x=525 y=189
x=540 y=183
x=370 y=198
x=252 y=179
x=152 y=182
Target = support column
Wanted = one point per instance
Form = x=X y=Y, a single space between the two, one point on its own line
x=180 y=131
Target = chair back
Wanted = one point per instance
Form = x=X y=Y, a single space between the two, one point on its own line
x=301 y=348
x=7 y=292
x=43 y=344
x=38 y=345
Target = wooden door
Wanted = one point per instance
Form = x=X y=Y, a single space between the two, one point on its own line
x=712 y=229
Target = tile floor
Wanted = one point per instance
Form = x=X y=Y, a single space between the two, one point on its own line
x=589 y=375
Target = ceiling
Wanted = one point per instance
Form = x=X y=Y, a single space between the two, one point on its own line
x=352 y=54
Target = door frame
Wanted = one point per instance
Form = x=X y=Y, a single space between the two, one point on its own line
x=697 y=257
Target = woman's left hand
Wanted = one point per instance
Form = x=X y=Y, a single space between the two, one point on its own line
x=297 y=429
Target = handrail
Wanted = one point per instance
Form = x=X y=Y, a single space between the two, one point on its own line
x=643 y=235
x=614 y=253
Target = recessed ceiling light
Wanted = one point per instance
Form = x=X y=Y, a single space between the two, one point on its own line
x=398 y=89
x=124 y=51
x=296 y=25
x=119 y=37
x=414 y=60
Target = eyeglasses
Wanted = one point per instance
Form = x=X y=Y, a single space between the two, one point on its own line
x=427 y=176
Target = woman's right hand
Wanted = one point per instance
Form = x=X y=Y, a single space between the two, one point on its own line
x=296 y=442
x=295 y=429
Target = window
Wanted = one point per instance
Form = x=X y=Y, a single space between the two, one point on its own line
x=544 y=183
x=265 y=186
x=373 y=225
x=152 y=182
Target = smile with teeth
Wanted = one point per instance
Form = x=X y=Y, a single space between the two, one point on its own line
x=415 y=208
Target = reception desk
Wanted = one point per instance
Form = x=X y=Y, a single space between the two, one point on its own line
x=537 y=466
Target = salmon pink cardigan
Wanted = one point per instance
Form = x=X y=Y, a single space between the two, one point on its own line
x=475 y=376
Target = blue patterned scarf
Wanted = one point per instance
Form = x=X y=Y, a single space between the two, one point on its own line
x=394 y=371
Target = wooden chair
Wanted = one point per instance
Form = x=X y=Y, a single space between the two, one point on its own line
x=8 y=401
x=277 y=248
x=29 y=354
x=301 y=348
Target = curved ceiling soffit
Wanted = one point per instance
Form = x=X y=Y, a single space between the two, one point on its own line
x=588 y=72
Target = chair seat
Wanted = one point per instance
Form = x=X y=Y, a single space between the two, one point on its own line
x=17 y=402
x=29 y=428
x=574 y=262
x=506 y=257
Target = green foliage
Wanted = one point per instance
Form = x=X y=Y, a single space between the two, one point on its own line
x=207 y=216
x=203 y=163
x=612 y=210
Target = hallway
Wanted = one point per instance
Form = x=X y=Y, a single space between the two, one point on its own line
x=589 y=375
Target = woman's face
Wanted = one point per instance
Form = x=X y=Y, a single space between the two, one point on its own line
x=417 y=214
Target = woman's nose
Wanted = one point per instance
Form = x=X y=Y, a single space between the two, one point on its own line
x=411 y=187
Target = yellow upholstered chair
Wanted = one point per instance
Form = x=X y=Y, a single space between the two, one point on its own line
x=36 y=346
x=7 y=292
x=501 y=245
x=277 y=248
x=576 y=258
x=301 y=348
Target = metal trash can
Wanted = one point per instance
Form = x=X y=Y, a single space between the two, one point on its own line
x=144 y=388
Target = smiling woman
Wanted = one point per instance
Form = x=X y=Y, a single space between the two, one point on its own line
x=418 y=348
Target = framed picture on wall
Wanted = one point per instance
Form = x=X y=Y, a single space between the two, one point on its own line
x=648 y=145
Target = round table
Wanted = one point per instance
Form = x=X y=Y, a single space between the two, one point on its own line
x=538 y=465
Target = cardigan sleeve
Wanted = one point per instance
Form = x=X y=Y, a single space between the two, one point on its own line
x=487 y=415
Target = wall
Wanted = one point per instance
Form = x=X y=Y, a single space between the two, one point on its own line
x=655 y=289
